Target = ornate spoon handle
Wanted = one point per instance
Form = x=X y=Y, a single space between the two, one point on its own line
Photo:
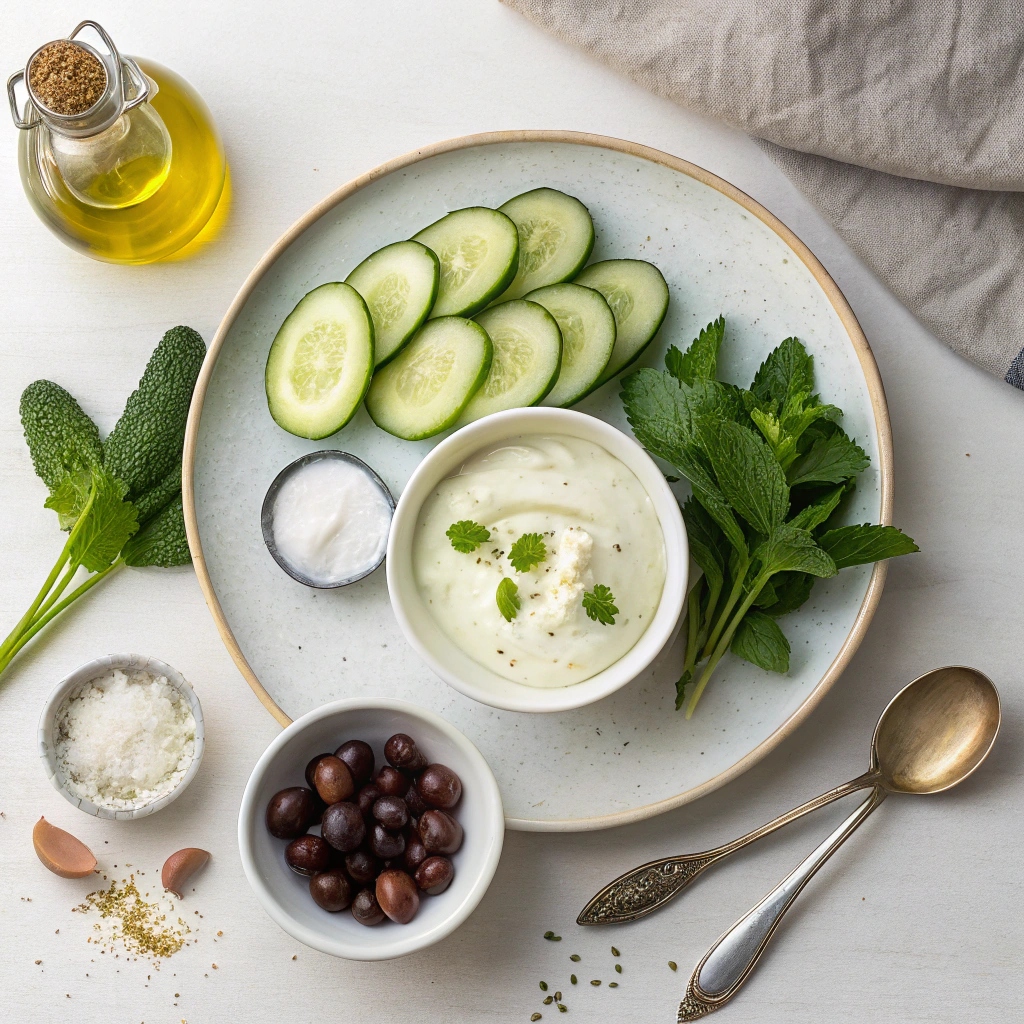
x=727 y=965
x=650 y=886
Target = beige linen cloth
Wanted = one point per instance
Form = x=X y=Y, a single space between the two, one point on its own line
x=901 y=121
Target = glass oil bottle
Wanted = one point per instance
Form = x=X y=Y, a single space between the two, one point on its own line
x=118 y=156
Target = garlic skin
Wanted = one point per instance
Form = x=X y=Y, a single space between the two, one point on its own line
x=61 y=852
x=180 y=867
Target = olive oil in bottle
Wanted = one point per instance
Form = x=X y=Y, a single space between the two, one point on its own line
x=119 y=157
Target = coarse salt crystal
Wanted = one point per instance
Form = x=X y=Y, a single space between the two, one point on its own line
x=125 y=739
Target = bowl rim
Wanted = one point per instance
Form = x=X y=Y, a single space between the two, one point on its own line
x=526 y=421
x=270 y=499
x=84 y=674
x=494 y=821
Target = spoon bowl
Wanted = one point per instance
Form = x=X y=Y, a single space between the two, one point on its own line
x=936 y=731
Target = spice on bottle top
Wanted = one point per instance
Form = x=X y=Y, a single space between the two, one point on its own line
x=66 y=78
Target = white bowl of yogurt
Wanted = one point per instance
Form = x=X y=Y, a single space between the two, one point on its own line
x=537 y=560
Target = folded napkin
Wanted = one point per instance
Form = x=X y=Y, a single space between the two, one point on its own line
x=902 y=121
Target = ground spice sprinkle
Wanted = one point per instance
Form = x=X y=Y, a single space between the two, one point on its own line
x=66 y=78
x=142 y=927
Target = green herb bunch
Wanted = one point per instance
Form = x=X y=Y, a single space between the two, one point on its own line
x=119 y=500
x=769 y=467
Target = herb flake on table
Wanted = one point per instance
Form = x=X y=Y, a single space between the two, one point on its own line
x=466 y=536
x=770 y=470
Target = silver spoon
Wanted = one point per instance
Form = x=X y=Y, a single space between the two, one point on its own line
x=933 y=734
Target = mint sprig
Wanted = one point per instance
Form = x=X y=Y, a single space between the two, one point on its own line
x=599 y=604
x=769 y=467
x=466 y=536
x=528 y=551
x=507 y=598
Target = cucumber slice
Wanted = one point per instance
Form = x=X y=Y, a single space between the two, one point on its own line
x=479 y=251
x=588 y=337
x=527 y=355
x=427 y=385
x=399 y=285
x=556 y=236
x=320 y=363
x=638 y=295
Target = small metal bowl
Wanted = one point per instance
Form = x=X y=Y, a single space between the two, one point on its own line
x=267 y=516
x=67 y=688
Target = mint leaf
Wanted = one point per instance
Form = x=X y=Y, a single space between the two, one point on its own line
x=706 y=542
x=858 y=545
x=831 y=460
x=599 y=604
x=700 y=360
x=748 y=474
x=467 y=536
x=759 y=640
x=815 y=514
x=791 y=549
x=507 y=596
x=792 y=589
x=787 y=371
x=527 y=552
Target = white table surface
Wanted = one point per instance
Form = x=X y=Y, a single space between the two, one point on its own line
x=917 y=919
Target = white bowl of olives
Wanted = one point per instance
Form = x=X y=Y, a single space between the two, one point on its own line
x=370 y=829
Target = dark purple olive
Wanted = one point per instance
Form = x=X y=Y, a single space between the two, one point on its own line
x=391 y=781
x=385 y=844
x=343 y=826
x=367 y=795
x=397 y=896
x=291 y=812
x=401 y=752
x=415 y=854
x=415 y=802
x=359 y=758
x=365 y=908
x=331 y=890
x=439 y=786
x=435 y=874
x=439 y=832
x=311 y=767
x=391 y=812
x=333 y=780
x=308 y=855
x=362 y=866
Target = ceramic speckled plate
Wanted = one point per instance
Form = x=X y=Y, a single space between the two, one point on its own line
x=631 y=755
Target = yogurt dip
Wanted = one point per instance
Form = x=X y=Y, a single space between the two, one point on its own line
x=598 y=526
x=327 y=518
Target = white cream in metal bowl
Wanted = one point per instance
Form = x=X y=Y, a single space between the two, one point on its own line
x=601 y=515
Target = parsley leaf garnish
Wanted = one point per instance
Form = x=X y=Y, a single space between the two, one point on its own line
x=507 y=596
x=599 y=604
x=527 y=552
x=467 y=536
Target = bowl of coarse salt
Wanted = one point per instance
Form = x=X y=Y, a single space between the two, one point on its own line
x=122 y=736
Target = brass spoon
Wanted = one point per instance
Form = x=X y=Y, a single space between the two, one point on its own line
x=932 y=735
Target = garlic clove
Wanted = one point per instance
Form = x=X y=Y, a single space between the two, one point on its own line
x=61 y=852
x=180 y=867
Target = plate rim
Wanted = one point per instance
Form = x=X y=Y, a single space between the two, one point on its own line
x=837 y=300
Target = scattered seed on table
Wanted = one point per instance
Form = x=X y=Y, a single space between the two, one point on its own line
x=613 y=984
x=552 y=937
x=618 y=968
x=548 y=1000
x=562 y=1008
x=572 y=978
x=558 y=997
x=575 y=958
x=673 y=965
x=543 y=986
x=595 y=982
x=535 y=1016
x=615 y=952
